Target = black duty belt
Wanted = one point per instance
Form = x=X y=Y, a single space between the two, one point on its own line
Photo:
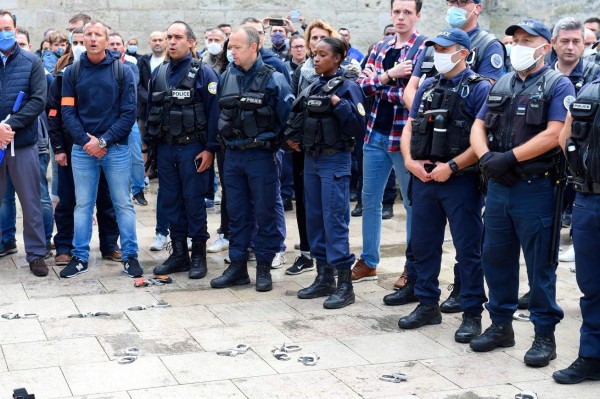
x=590 y=188
x=315 y=152
x=265 y=145
x=533 y=176
x=187 y=139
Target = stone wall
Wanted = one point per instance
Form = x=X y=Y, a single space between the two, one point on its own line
x=365 y=18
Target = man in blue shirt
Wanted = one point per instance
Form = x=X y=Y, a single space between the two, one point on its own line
x=353 y=52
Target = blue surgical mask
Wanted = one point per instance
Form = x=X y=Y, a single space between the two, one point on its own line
x=277 y=39
x=229 y=57
x=7 y=40
x=456 y=17
x=60 y=51
x=131 y=48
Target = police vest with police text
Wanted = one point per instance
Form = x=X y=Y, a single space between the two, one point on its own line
x=177 y=111
x=583 y=148
x=446 y=104
x=250 y=118
x=514 y=117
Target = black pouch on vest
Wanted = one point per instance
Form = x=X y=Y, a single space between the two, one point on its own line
x=535 y=112
x=229 y=102
x=319 y=104
x=175 y=120
x=420 y=141
x=330 y=135
x=311 y=127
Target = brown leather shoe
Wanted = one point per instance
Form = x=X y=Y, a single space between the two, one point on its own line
x=362 y=272
x=38 y=267
x=62 y=259
x=401 y=282
x=113 y=255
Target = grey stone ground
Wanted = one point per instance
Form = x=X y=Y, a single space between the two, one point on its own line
x=58 y=357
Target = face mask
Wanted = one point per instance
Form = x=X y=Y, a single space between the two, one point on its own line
x=521 y=57
x=508 y=47
x=229 y=57
x=588 y=51
x=277 y=39
x=60 y=51
x=77 y=51
x=214 y=48
x=443 y=62
x=456 y=17
x=131 y=48
x=7 y=40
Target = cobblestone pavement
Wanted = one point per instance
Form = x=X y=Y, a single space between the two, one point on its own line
x=55 y=356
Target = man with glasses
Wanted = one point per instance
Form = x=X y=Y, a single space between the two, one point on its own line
x=487 y=59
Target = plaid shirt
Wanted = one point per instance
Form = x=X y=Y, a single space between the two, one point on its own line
x=391 y=93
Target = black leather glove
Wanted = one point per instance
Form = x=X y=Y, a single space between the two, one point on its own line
x=496 y=164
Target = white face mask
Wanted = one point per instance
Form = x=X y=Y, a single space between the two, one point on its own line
x=588 y=51
x=77 y=51
x=443 y=62
x=521 y=57
x=214 y=48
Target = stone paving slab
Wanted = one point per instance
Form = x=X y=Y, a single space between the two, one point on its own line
x=23 y=330
x=255 y=334
x=92 y=326
x=150 y=343
x=172 y=318
x=253 y=311
x=189 y=297
x=10 y=293
x=215 y=389
x=46 y=383
x=45 y=308
x=115 y=303
x=321 y=327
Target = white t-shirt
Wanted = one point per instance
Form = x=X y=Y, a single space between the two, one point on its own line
x=155 y=61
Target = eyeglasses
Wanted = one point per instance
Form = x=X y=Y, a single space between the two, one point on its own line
x=460 y=3
x=299 y=47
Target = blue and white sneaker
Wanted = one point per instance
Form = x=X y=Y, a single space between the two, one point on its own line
x=132 y=268
x=74 y=267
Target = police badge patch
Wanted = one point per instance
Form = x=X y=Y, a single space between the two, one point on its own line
x=568 y=101
x=212 y=87
x=361 y=109
x=497 y=61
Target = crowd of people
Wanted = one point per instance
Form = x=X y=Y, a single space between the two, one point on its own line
x=460 y=120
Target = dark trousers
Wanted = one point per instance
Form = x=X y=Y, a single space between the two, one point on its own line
x=108 y=229
x=183 y=190
x=518 y=217
x=586 y=236
x=252 y=183
x=224 y=227
x=459 y=201
x=298 y=165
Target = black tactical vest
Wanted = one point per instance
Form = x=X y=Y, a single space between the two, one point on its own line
x=514 y=117
x=177 y=111
x=321 y=127
x=590 y=70
x=583 y=149
x=249 y=116
x=429 y=140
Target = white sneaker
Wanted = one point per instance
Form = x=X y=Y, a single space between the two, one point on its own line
x=220 y=244
x=189 y=243
x=568 y=255
x=278 y=260
x=217 y=199
x=159 y=243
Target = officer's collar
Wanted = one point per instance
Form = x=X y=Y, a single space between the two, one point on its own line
x=325 y=79
x=184 y=59
x=474 y=30
x=577 y=72
x=456 y=79
x=258 y=63
x=533 y=75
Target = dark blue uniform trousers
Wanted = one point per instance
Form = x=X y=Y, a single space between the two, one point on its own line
x=521 y=217
x=459 y=201
x=586 y=237
x=183 y=190
x=253 y=201
x=327 y=199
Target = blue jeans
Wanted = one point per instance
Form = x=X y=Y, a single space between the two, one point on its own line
x=520 y=217
x=327 y=199
x=54 y=179
x=116 y=165
x=137 y=162
x=162 y=219
x=8 y=210
x=377 y=165
x=586 y=235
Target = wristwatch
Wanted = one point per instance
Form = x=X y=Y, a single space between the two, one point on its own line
x=101 y=143
x=453 y=166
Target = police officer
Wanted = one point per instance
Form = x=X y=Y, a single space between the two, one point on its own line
x=486 y=59
x=182 y=122
x=581 y=136
x=445 y=184
x=256 y=102
x=327 y=117
x=516 y=138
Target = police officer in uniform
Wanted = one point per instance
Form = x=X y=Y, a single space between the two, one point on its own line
x=182 y=122
x=516 y=138
x=327 y=117
x=256 y=102
x=580 y=139
x=445 y=183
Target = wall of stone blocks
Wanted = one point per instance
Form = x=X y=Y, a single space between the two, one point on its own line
x=365 y=18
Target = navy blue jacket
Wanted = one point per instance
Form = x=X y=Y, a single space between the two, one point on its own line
x=270 y=58
x=205 y=87
x=23 y=72
x=99 y=109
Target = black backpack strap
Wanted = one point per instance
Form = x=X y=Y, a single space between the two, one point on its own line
x=75 y=72
x=331 y=87
x=117 y=66
x=480 y=43
x=415 y=47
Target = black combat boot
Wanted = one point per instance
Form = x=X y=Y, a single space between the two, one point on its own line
x=469 y=329
x=324 y=284
x=423 y=315
x=542 y=351
x=198 y=267
x=344 y=294
x=263 y=277
x=496 y=335
x=178 y=261
x=235 y=274
x=524 y=301
x=584 y=368
x=452 y=304
x=403 y=296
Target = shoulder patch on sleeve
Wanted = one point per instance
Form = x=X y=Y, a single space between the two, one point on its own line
x=361 y=109
x=568 y=101
x=497 y=61
x=212 y=87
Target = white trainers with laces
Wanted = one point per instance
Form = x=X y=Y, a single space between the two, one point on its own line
x=220 y=244
x=568 y=255
x=278 y=260
x=159 y=243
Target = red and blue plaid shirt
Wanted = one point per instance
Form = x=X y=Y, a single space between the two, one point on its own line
x=391 y=93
